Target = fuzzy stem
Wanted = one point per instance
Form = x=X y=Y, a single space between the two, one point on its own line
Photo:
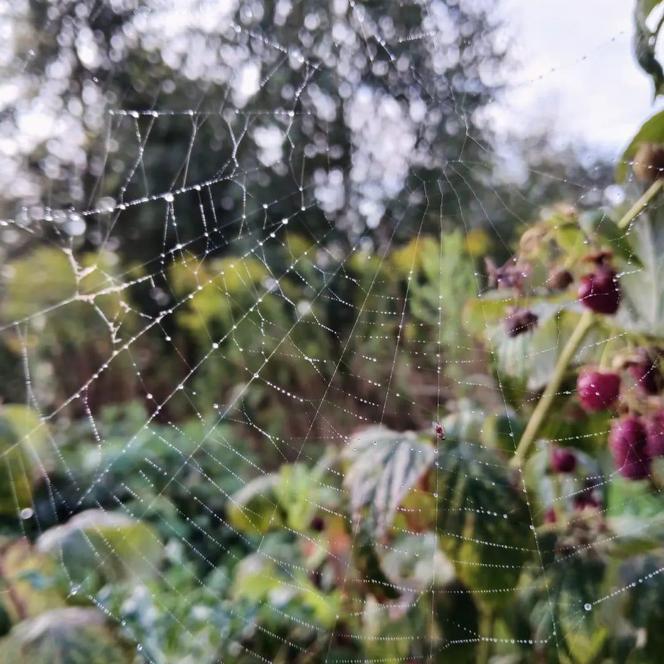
x=549 y=394
x=639 y=206
x=604 y=358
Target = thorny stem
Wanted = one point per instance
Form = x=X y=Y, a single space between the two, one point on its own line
x=549 y=394
x=639 y=206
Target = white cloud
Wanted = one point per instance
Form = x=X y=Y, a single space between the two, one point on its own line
x=577 y=71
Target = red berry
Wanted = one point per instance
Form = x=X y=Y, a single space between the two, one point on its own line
x=628 y=444
x=562 y=460
x=550 y=516
x=599 y=291
x=645 y=371
x=519 y=321
x=597 y=390
x=655 y=435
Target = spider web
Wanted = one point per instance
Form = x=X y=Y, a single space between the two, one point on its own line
x=234 y=239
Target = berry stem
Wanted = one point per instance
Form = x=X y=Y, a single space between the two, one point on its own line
x=604 y=357
x=640 y=205
x=549 y=394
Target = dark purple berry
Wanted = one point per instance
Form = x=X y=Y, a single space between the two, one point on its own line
x=655 y=435
x=599 y=291
x=628 y=444
x=597 y=390
x=519 y=321
x=645 y=371
x=587 y=497
x=562 y=460
x=317 y=524
x=585 y=500
x=559 y=279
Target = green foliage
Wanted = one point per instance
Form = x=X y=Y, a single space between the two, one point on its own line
x=72 y=635
x=643 y=288
x=100 y=543
x=24 y=449
x=482 y=518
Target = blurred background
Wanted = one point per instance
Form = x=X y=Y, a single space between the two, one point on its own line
x=253 y=111
x=226 y=230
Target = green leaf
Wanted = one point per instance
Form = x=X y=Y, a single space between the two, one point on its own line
x=465 y=423
x=483 y=520
x=108 y=544
x=414 y=561
x=23 y=447
x=261 y=580
x=635 y=536
x=254 y=508
x=651 y=131
x=560 y=596
x=298 y=492
x=369 y=567
x=643 y=582
x=34 y=578
x=530 y=358
x=642 y=308
x=384 y=466
x=633 y=499
x=502 y=431
x=599 y=225
x=645 y=41
x=68 y=635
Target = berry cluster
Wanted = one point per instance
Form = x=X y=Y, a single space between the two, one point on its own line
x=634 y=440
x=599 y=289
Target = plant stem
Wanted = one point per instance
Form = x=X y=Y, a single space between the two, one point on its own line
x=639 y=206
x=544 y=404
x=487 y=622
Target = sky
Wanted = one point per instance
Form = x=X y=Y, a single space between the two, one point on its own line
x=576 y=72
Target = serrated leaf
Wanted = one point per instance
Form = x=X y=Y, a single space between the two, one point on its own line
x=530 y=358
x=385 y=465
x=483 y=520
x=66 y=635
x=558 y=599
x=109 y=544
